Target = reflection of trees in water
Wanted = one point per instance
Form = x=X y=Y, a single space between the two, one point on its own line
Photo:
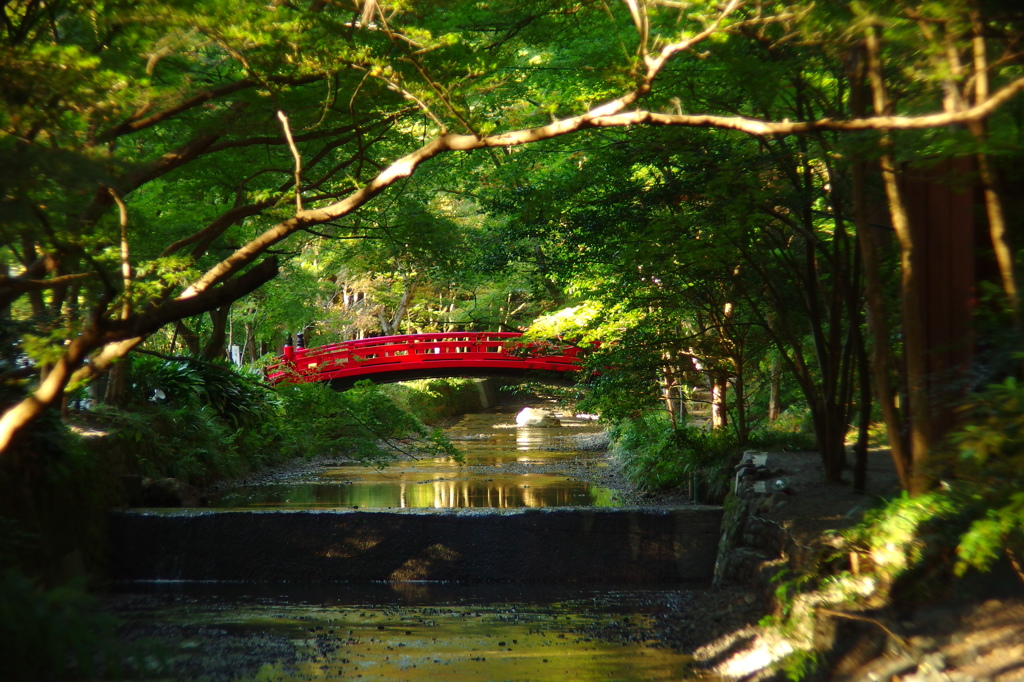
x=436 y=494
x=448 y=494
x=486 y=439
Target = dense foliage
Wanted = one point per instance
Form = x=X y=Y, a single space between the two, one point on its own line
x=656 y=456
x=721 y=201
x=163 y=149
x=58 y=634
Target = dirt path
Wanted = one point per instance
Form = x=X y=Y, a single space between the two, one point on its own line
x=955 y=639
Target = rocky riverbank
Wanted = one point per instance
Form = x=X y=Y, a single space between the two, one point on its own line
x=967 y=637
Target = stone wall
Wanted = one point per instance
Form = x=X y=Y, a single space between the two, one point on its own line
x=751 y=548
x=554 y=546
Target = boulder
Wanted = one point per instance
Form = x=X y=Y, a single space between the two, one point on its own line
x=170 y=492
x=530 y=416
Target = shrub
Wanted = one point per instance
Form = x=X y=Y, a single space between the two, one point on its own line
x=656 y=456
x=991 y=457
x=974 y=517
x=54 y=634
x=194 y=420
x=190 y=443
x=434 y=400
x=362 y=423
x=237 y=397
x=200 y=421
x=793 y=430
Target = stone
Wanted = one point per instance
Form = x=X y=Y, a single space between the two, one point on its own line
x=530 y=416
x=893 y=667
x=170 y=492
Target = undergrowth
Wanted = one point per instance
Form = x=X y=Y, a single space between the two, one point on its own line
x=201 y=422
x=362 y=423
x=656 y=456
x=963 y=538
x=435 y=400
x=793 y=430
x=60 y=634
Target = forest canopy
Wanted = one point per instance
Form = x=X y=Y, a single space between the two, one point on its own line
x=715 y=189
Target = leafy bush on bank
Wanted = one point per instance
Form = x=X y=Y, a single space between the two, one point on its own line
x=194 y=420
x=435 y=400
x=656 y=456
x=363 y=423
x=201 y=422
x=974 y=518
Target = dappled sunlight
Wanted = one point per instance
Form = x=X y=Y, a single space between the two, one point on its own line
x=443 y=633
x=743 y=652
x=420 y=568
x=87 y=431
x=354 y=544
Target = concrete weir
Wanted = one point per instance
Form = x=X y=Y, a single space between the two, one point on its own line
x=553 y=546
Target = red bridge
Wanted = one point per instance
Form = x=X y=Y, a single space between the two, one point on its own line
x=386 y=359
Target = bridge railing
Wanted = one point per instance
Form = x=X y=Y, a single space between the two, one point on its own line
x=395 y=353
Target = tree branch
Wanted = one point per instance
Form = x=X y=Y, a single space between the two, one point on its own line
x=20 y=286
x=606 y=115
x=295 y=155
x=760 y=128
x=133 y=125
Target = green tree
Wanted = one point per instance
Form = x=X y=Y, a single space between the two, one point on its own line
x=161 y=154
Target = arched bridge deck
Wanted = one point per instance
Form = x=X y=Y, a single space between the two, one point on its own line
x=387 y=359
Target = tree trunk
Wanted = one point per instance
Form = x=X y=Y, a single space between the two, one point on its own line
x=860 y=449
x=739 y=389
x=670 y=377
x=215 y=347
x=877 y=317
x=719 y=390
x=993 y=205
x=775 y=392
x=915 y=344
x=117 y=384
x=390 y=325
x=188 y=337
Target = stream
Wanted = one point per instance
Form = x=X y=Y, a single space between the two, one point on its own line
x=505 y=467
x=416 y=630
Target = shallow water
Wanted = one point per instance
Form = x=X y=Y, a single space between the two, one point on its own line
x=412 y=489
x=412 y=631
x=490 y=443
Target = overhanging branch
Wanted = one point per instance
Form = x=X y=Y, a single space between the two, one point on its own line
x=188 y=306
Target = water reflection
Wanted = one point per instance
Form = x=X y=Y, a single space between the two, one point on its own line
x=405 y=492
x=490 y=442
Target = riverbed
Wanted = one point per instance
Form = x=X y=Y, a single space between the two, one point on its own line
x=421 y=630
